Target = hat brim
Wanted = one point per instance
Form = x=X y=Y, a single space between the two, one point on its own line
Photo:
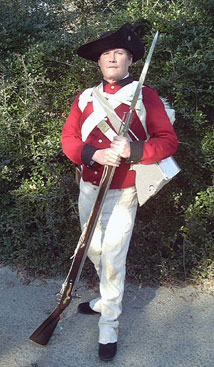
x=122 y=38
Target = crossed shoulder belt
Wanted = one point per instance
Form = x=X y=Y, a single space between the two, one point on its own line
x=149 y=178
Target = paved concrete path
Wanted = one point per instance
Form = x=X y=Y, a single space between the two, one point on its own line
x=159 y=327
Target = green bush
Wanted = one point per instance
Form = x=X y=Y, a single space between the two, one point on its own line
x=40 y=76
x=198 y=234
x=182 y=70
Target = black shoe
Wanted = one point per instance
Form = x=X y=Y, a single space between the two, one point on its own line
x=86 y=309
x=107 y=351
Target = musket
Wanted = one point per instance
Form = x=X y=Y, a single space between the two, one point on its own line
x=44 y=332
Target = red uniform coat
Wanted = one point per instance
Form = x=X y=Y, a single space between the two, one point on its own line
x=162 y=142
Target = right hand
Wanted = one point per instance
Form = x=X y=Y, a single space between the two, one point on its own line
x=107 y=156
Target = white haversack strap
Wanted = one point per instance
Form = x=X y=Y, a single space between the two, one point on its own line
x=102 y=101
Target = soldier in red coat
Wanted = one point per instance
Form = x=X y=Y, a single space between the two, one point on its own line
x=89 y=139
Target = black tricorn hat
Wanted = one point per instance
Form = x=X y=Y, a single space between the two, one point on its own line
x=124 y=37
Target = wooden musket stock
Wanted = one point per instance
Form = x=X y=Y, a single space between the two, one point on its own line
x=44 y=332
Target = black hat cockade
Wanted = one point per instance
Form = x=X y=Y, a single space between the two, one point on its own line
x=124 y=37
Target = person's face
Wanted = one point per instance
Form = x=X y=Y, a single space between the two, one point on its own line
x=114 y=64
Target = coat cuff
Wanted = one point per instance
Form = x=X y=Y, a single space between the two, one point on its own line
x=86 y=156
x=137 y=149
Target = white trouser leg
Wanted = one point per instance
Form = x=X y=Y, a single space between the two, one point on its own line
x=108 y=251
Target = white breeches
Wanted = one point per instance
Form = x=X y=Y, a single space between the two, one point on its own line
x=108 y=250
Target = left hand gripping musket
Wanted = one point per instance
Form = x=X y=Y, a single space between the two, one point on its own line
x=44 y=332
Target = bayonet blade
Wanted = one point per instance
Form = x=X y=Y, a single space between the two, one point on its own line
x=144 y=72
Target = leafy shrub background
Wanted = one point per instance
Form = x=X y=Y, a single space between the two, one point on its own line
x=40 y=76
